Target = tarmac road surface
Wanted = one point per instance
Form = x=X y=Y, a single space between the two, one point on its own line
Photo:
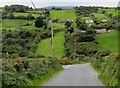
x=75 y=75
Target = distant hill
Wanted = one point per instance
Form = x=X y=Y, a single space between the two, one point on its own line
x=63 y=7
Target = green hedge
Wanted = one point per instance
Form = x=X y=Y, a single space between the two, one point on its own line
x=24 y=72
x=108 y=68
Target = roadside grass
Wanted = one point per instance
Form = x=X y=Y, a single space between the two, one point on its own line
x=13 y=24
x=45 y=78
x=100 y=16
x=108 y=41
x=45 y=49
x=63 y=14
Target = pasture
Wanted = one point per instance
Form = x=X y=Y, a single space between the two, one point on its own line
x=13 y=24
x=111 y=11
x=108 y=41
x=85 y=18
x=26 y=14
x=63 y=14
x=45 y=49
x=57 y=25
x=100 y=16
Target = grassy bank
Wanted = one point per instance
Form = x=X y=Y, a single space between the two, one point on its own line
x=108 y=69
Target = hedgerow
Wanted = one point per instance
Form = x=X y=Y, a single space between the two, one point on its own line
x=108 y=68
x=22 y=72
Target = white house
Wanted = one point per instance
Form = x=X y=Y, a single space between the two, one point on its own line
x=104 y=21
x=89 y=21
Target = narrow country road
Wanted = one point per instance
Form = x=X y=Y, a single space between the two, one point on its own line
x=75 y=75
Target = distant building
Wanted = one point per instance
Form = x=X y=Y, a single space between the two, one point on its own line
x=89 y=21
x=100 y=30
x=61 y=21
x=70 y=20
x=104 y=21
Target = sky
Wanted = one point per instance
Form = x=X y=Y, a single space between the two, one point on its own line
x=45 y=3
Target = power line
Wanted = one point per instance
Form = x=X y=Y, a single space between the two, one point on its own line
x=35 y=7
x=52 y=41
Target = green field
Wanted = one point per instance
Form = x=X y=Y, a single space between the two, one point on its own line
x=85 y=18
x=25 y=14
x=57 y=25
x=31 y=27
x=63 y=14
x=34 y=11
x=100 y=16
x=111 y=11
x=45 y=49
x=13 y=24
x=108 y=41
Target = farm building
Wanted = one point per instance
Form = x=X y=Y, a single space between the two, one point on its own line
x=61 y=21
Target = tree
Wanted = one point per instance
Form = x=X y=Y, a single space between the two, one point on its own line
x=39 y=22
x=103 y=11
x=11 y=16
x=82 y=27
x=23 y=53
x=68 y=23
x=86 y=38
x=71 y=29
x=47 y=12
x=30 y=17
x=110 y=15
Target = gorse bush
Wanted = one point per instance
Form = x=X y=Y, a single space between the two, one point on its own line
x=22 y=72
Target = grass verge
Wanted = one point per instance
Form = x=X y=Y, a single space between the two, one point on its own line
x=45 y=78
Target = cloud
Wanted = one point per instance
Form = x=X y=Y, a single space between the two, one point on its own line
x=44 y=3
x=60 y=1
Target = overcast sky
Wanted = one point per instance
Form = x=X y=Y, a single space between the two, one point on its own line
x=44 y=3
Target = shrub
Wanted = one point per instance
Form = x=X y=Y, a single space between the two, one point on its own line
x=108 y=68
x=87 y=48
x=30 y=17
x=11 y=16
x=39 y=22
x=29 y=70
x=86 y=38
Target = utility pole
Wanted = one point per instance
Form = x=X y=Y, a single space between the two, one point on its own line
x=75 y=46
x=74 y=43
x=52 y=41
